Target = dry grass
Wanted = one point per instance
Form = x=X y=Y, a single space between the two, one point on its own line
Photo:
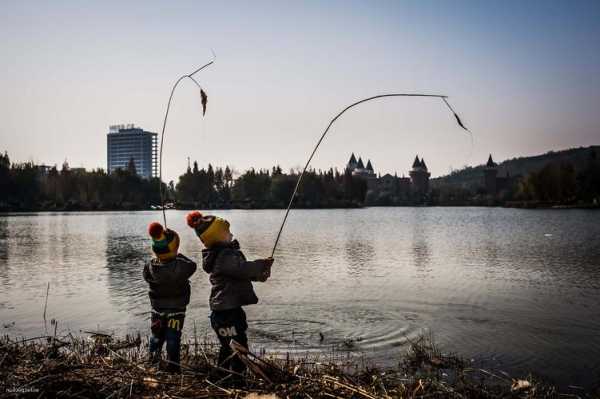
x=104 y=367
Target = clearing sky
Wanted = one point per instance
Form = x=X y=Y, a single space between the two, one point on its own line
x=523 y=76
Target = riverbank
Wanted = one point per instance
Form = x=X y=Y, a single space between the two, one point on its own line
x=106 y=366
x=511 y=204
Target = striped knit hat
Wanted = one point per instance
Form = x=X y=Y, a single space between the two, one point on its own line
x=210 y=229
x=165 y=243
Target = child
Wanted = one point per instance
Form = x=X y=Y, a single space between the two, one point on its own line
x=231 y=277
x=169 y=293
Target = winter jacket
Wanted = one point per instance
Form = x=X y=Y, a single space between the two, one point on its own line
x=169 y=284
x=231 y=276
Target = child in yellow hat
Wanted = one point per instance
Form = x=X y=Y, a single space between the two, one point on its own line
x=231 y=277
x=168 y=277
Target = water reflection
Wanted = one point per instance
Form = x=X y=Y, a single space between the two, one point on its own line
x=491 y=238
x=125 y=259
x=536 y=305
x=360 y=256
x=30 y=240
x=421 y=253
x=4 y=248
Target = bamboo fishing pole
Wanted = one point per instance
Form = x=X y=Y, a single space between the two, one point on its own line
x=287 y=211
x=162 y=134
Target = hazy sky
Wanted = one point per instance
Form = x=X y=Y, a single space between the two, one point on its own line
x=523 y=75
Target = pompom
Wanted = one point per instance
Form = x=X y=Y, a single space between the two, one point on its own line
x=193 y=218
x=155 y=229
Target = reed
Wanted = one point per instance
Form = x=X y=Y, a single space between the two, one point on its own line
x=105 y=366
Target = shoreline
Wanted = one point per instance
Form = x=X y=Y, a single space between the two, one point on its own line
x=107 y=366
x=519 y=205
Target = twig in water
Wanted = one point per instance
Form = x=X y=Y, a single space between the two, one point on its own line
x=46 y=303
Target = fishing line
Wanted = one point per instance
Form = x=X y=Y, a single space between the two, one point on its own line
x=162 y=134
x=287 y=211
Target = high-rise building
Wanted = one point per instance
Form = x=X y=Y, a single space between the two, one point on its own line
x=126 y=142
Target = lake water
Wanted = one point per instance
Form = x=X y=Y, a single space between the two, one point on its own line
x=516 y=290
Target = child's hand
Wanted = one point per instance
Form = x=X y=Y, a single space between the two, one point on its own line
x=268 y=262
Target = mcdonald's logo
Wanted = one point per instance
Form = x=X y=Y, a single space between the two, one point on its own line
x=174 y=324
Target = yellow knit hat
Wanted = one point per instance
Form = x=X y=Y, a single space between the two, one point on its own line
x=210 y=229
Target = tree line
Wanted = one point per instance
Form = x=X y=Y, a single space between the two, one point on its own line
x=555 y=183
x=258 y=189
x=28 y=187
x=561 y=183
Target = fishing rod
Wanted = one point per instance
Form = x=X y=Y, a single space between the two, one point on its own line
x=204 y=100
x=287 y=211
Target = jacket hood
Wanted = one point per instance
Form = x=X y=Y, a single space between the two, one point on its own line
x=209 y=255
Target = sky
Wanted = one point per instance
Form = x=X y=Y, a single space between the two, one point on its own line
x=524 y=77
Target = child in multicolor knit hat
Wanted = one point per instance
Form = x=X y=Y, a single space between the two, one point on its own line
x=168 y=277
x=231 y=277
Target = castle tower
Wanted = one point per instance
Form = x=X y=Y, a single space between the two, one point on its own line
x=357 y=168
x=360 y=165
x=490 y=174
x=352 y=163
x=419 y=176
x=416 y=163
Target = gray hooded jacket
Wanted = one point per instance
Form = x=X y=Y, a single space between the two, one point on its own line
x=231 y=276
x=169 y=282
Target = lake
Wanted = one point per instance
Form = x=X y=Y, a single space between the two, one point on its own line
x=515 y=290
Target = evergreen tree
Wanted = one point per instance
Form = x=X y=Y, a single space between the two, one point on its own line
x=131 y=167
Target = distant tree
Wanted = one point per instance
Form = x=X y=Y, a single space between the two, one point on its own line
x=588 y=179
x=219 y=179
x=5 y=178
x=171 y=191
x=282 y=187
x=228 y=176
x=252 y=189
x=131 y=167
x=276 y=171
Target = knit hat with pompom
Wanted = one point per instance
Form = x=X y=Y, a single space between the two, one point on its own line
x=165 y=242
x=210 y=229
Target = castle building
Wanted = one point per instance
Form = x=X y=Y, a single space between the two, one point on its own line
x=415 y=187
x=358 y=168
x=419 y=177
x=399 y=185
x=494 y=184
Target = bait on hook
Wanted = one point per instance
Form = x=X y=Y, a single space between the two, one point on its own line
x=444 y=98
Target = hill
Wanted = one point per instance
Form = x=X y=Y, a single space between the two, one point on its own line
x=472 y=176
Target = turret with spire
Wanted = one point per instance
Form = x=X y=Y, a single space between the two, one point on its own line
x=419 y=177
x=360 y=165
x=490 y=176
x=416 y=163
x=351 y=163
x=357 y=168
